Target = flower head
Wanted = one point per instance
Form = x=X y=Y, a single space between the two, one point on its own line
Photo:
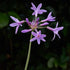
x=38 y=36
x=17 y=23
x=37 y=10
x=49 y=18
x=55 y=30
x=33 y=25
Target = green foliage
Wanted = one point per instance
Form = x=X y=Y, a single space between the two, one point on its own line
x=50 y=62
x=3 y=20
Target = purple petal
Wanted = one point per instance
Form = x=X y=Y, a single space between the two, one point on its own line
x=34 y=34
x=58 y=35
x=26 y=30
x=50 y=28
x=38 y=41
x=49 y=14
x=39 y=32
x=33 y=13
x=43 y=35
x=41 y=11
x=39 y=6
x=57 y=25
x=46 y=23
x=60 y=28
x=15 y=19
x=27 y=20
x=33 y=39
x=33 y=7
x=44 y=20
x=13 y=24
x=29 y=23
x=36 y=12
x=50 y=19
x=43 y=40
x=16 y=29
x=37 y=20
x=53 y=37
x=22 y=21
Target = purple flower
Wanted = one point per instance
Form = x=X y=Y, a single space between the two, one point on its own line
x=33 y=25
x=17 y=23
x=49 y=18
x=37 y=10
x=38 y=36
x=55 y=30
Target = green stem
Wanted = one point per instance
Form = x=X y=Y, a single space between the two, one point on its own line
x=28 y=56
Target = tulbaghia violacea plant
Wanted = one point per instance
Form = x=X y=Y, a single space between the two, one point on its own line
x=35 y=26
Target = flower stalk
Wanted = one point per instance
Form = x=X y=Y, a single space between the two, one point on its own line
x=28 y=56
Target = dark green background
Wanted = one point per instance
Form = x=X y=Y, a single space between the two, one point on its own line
x=51 y=55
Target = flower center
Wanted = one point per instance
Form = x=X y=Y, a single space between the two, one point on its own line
x=33 y=26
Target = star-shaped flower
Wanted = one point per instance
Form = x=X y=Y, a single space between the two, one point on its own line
x=38 y=36
x=37 y=10
x=17 y=23
x=49 y=18
x=55 y=30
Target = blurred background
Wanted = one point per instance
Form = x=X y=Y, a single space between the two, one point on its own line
x=51 y=55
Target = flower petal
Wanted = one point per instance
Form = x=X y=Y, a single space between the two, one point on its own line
x=53 y=37
x=43 y=40
x=33 y=13
x=57 y=25
x=58 y=35
x=16 y=29
x=13 y=24
x=49 y=14
x=46 y=23
x=22 y=21
x=38 y=41
x=43 y=35
x=33 y=6
x=34 y=34
x=33 y=39
x=39 y=6
x=29 y=23
x=60 y=28
x=50 y=28
x=14 y=19
x=41 y=11
x=26 y=30
x=43 y=20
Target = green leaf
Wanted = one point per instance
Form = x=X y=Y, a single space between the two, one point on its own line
x=11 y=13
x=3 y=20
x=63 y=66
x=51 y=62
x=56 y=63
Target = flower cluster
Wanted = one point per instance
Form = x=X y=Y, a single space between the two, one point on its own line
x=35 y=24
